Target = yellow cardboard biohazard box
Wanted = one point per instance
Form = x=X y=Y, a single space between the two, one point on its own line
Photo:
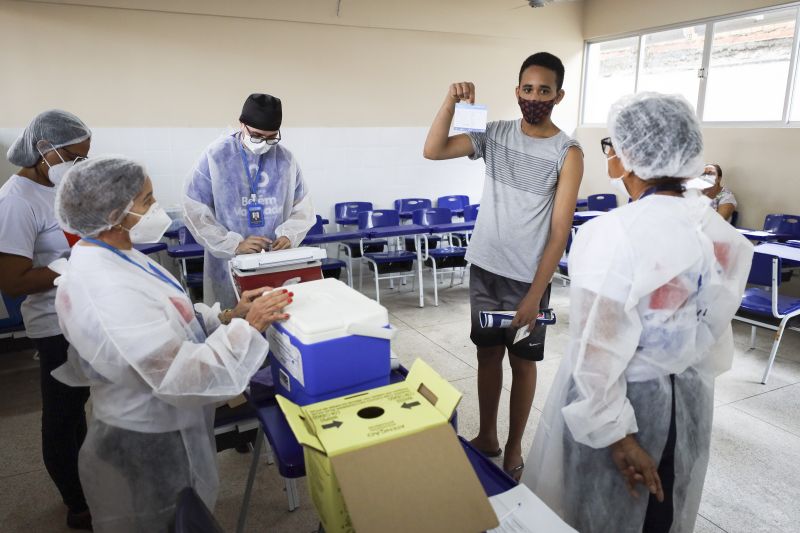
x=388 y=460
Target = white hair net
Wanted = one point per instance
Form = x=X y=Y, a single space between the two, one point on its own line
x=59 y=128
x=94 y=194
x=656 y=136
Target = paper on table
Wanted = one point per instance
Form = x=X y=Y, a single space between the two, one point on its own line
x=470 y=117
x=520 y=511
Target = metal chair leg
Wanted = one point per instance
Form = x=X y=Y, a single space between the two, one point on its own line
x=776 y=343
x=251 y=476
x=377 y=285
x=435 y=285
x=752 y=337
x=292 y=494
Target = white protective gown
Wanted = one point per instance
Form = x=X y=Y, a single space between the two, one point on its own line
x=654 y=285
x=155 y=377
x=216 y=199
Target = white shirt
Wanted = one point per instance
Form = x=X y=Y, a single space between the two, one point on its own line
x=28 y=228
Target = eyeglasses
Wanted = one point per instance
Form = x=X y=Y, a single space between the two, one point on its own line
x=258 y=139
x=605 y=145
x=76 y=158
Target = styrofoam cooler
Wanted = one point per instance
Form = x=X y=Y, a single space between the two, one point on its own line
x=278 y=268
x=335 y=342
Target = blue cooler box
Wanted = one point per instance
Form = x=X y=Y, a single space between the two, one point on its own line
x=336 y=342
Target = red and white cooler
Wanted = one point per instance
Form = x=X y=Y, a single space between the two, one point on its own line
x=276 y=269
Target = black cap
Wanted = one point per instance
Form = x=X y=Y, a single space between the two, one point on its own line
x=262 y=112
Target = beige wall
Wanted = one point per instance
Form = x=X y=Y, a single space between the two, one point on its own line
x=760 y=165
x=381 y=63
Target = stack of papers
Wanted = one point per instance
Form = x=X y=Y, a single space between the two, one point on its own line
x=520 y=511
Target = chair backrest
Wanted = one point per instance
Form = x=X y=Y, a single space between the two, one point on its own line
x=761 y=270
x=350 y=209
x=378 y=218
x=790 y=224
x=601 y=202
x=10 y=314
x=318 y=228
x=734 y=218
x=471 y=212
x=192 y=515
x=432 y=216
x=772 y=222
x=185 y=236
x=408 y=205
x=454 y=202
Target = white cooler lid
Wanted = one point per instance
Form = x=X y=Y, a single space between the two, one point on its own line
x=325 y=309
x=292 y=256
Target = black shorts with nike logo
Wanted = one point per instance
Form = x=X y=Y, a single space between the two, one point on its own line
x=492 y=292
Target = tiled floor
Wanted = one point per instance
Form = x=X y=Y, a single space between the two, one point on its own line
x=752 y=483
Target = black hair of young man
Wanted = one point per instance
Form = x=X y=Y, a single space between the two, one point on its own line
x=548 y=61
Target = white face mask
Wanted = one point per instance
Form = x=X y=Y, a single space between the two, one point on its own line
x=616 y=183
x=256 y=148
x=56 y=172
x=151 y=226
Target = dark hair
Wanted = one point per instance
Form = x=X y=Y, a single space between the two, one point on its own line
x=548 y=61
x=719 y=170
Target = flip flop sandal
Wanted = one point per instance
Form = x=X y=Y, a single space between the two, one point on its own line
x=514 y=471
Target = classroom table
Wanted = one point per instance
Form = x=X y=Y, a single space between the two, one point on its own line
x=185 y=251
x=453 y=227
x=759 y=235
x=579 y=217
x=288 y=453
x=788 y=252
x=150 y=247
x=325 y=238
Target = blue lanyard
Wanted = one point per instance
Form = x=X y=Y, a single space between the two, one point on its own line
x=153 y=270
x=251 y=180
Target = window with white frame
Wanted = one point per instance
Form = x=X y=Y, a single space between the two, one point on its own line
x=737 y=69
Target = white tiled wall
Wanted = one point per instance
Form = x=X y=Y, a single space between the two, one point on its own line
x=339 y=164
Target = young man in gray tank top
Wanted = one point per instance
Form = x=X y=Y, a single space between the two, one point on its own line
x=533 y=172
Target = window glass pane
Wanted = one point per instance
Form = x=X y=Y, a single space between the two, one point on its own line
x=610 y=74
x=670 y=61
x=749 y=67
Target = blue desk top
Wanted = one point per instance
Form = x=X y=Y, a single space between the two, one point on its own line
x=185 y=250
x=783 y=251
x=397 y=231
x=323 y=238
x=760 y=235
x=581 y=202
x=150 y=247
x=454 y=226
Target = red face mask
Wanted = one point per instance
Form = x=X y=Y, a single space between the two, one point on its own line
x=534 y=111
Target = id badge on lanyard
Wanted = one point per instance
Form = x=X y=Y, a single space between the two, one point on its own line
x=255 y=213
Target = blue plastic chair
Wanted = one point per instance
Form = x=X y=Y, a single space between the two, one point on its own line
x=192 y=515
x=785 y=224
x=455 y=203
x=12 y=325
x=331 y=268
x=407 y=206
x=390 y=264
x=761 y=303
x=601 y=202
x=443 y=258
x=470 y=215
x=190 y=255
x=346 y=213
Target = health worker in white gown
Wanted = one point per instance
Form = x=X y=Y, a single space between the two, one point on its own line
x=156 y=363
x=654 y=285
